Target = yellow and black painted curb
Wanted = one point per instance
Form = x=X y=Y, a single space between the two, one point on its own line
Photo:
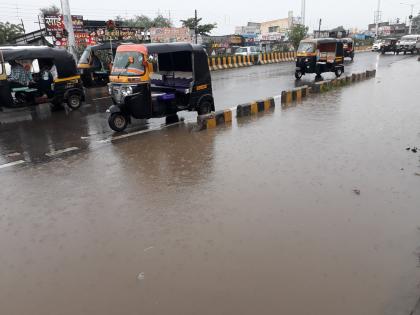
x=234 y=61
x=287 y=98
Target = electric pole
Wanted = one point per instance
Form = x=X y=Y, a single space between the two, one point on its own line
x=303 y=12
x=378 y=18
x=68 y=24
x=411 y=5
x=196 y=26
x=319 y=29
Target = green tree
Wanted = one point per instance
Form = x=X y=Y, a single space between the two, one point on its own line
x=9 y=31
x=145 y=22
x=202 y=29
x=297 y=33
x=51 y=10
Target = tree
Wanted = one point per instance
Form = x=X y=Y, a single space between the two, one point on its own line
x=297 y=33
x=51 y=10
x=202 y=29
x=145 y=22
x=9 y=31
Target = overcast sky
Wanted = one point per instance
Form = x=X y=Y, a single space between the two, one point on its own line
x=227 y=14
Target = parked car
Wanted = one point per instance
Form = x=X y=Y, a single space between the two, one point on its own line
x=247 y=51
x=377 y=45
x=408 y=43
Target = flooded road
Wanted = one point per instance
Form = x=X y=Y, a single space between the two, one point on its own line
x=309 y=210
x=88 y=127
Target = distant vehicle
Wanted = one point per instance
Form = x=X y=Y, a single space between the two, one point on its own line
x=348 y=46
x=408 y=43
x=64 y=86
x=377 y=45
x=158 y=80
x=95 y=63
x=390 y=45
x=247 y=51
x=319 y=56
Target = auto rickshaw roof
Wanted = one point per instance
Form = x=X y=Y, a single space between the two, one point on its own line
x=159 y=48
x=64 y=62
x=321 y=40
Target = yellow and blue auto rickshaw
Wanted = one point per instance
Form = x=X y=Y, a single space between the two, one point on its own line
x=53 y=72
x=158 y=80
x=319 y=56
x=96 y=62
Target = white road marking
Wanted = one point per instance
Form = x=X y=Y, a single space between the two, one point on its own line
x=13 y=154
x=55 y=153
x=12 y=164
x=109 y=140
x=148 y=248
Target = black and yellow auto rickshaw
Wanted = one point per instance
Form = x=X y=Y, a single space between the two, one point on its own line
x=96 y=62
x=320 y=56
x=348 y=47
x=158 y=80
x=53 y=73
x=390 y=45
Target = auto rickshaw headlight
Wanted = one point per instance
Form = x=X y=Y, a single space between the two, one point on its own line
x=127 y=90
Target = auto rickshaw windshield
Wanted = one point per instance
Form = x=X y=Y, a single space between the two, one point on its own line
x=84 y=59
x=306 y=47
x=128 y=63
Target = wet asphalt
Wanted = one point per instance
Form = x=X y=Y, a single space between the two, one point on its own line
x=313 y=209
x=35 y=134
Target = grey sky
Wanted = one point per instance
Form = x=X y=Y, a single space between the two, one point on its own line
x=227 y=14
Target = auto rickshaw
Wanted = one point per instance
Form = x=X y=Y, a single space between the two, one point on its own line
x=64 y=86
x=158 y=80
x=319 y=56
x=390 y=45
x=95 y=63
x=348 y=46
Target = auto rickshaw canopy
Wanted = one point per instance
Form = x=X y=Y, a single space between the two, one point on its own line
x=183 y=57
x=64 y=62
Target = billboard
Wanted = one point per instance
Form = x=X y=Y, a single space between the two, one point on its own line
x=170 y=35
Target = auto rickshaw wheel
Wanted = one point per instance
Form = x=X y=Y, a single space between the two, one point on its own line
x=298 y=75
x=74 y=101
x=118 y=122
x=205 y=107
x=338 y=72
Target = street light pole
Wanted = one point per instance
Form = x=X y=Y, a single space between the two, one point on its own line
x=411 y=5
x=68 y=24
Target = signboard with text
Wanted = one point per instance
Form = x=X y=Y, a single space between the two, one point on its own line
x=170 y=35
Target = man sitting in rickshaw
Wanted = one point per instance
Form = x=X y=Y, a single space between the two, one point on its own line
x=20 y=76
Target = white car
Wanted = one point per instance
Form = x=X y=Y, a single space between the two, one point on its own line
x=247 y=51
x=377 y=46
x=409 y=43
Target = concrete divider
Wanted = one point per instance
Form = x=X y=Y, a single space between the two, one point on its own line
x=228 y=62
x=293 y=96
x=254 y=108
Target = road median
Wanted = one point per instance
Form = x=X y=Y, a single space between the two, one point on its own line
x=286 y=98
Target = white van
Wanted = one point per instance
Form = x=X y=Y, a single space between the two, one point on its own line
x=409 y=43
x=247 y=51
